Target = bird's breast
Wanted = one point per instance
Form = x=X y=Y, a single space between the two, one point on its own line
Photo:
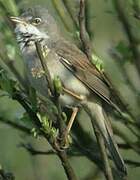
x=56 y=68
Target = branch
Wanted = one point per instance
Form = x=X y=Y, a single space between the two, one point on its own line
x=128 y=29
x=34 y=152
x=83 y=32
x=61 y=154
x=103 y=151
x=22 y=99
x=56 y=145
x=15 y=125
x=88 y=51
x=44 y=67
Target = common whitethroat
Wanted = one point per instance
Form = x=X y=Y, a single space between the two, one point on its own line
x=82 y=83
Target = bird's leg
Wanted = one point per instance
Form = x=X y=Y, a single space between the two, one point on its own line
x=76 y=96
x=73 y=116
x=69 y=126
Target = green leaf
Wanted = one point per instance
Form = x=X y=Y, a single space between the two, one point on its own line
x=97 y=62
x=57 y=85
x=47 y=127
x=35 y=132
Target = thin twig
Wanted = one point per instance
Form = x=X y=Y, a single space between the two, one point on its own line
x=132 y=163
x=83 y=32
x=68 y=5
x=45 y=68
x=64 y=15
x=124 y=146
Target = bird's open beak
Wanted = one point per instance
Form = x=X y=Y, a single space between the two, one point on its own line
x=18 y=20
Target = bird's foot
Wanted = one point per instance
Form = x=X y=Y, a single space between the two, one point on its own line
x=62 y=143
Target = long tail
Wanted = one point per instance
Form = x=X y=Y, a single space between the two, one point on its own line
x=99 y=117
x=114 y=151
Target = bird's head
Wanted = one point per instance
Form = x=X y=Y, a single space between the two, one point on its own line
x=35 y=24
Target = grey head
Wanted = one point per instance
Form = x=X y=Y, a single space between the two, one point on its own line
x=35 y=24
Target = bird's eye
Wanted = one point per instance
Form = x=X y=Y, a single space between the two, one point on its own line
x=36 y=21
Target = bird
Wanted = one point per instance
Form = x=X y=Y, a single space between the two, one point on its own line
x=82 y=82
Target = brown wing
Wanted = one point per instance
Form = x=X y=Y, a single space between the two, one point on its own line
x=79 y=65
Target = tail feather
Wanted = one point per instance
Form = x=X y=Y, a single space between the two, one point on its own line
x=112 y=145
x=100 y=118
x=116 y=157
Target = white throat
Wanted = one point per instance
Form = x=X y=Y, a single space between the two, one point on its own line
x=28 y=34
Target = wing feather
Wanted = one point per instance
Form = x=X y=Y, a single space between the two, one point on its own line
x=76 y=61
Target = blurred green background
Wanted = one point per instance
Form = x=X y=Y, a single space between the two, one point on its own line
x=106 y=33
